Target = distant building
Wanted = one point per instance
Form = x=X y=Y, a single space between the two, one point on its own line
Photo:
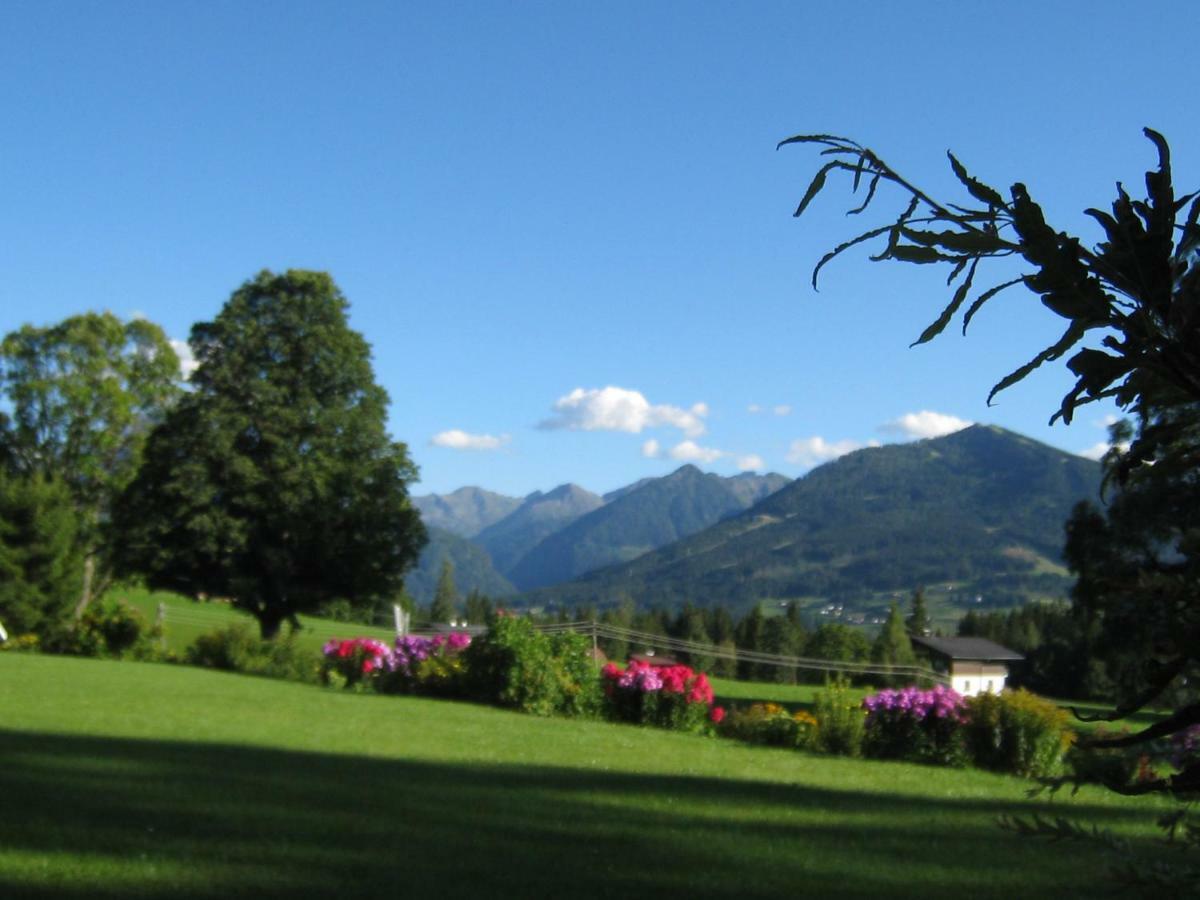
x=975 y=665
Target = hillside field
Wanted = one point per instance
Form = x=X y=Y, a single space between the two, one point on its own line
x=139 y=780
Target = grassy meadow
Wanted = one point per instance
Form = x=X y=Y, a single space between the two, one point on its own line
x=188 y=619
x=142 y=780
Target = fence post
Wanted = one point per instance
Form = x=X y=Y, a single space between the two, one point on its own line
x=595 y=647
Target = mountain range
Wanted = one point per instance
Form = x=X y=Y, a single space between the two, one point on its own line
x=977 y=515
x=521 y=541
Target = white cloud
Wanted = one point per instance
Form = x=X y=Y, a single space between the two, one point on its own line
x=810 y=452
x=456 y=439
x=650 y=449
x=751 y=463
x=187 y=362
x=925 y=424
x=780 y=409
x=1097 y=451
x=617 y=409
x=690 y=451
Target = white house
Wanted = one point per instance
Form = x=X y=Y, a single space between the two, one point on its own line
x=975 y=665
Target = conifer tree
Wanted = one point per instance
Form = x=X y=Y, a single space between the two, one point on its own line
x=445 y=596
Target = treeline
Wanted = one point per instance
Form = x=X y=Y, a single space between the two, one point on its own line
x=1060 y=643
x=782 y=634
x=268 y=479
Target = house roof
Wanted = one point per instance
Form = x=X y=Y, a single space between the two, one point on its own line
x=966 y=648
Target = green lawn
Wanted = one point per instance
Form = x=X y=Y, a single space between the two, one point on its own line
x=128 y=779
x=729 y=692
x=186 y=619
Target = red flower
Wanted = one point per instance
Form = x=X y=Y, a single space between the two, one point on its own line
x=717 y=714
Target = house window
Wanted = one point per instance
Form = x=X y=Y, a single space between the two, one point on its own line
x=966 y=687
x=991 y=686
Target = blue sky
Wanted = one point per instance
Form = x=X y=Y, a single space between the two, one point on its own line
x=563 y=227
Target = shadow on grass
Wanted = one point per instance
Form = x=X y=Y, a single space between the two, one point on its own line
x=99 y=817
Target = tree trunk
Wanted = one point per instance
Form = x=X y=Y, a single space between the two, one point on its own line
x=85 y=594
x=269 y=622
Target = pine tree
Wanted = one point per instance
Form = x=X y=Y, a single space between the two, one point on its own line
x=892 y=647
x=918 y=622
x=445 y=596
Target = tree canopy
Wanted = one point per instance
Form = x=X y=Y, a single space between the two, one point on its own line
x=1138 y=290
x=84 y=395
x=273 y=481
x=1137 y=293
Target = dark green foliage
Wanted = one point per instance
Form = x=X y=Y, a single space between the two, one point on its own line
x=982 y=508
x=445 y=597
x=1059 y=643
x=84 y=394
x=751 y=634
x=689 y=626
x=771 y=725
x=892 y=646
x=517 y=666
x=1139 y=283
x=237 y=649
x=655 y=513
x=1138 y=291
x=918 y=620
x=1138 y=563
x=41 y=562
x=479 y=608
x=473 y=570
x=111 y=629
x=840 y=720
x=1017 y=732
x=273 y=482
x=784 y=636
x=897 y=734
x=837 y=642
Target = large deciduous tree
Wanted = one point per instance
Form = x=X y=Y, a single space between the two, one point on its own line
x=84 y=394
x=273 y=481
x=1132 y=310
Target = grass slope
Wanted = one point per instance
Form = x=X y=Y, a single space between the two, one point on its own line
x=137 y=780
x=186 y=619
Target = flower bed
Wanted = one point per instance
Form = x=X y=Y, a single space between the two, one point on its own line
x=916 y=725
x=425 y=664
x=666 y=696
x=770 y=724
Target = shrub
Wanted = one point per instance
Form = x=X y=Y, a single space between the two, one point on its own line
x=916 y=725
x=667 y=696
x=770 y=724
x=517 y=666
x=1116 y=767
x=1018 y=732
x=427 y=665
x=839 y=720
x=353 y=663
x=109 y=628
x=236 y=648
x=22 y=643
